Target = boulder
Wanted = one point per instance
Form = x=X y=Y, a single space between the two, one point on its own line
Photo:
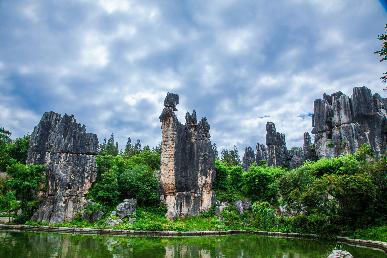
x=340 y=254
x=126 y=208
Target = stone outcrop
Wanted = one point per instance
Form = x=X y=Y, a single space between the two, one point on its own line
x=248 y=158
x=123 y=210
x=342 y=124
x=275 y=152
x=187 y=162
x=68 y=152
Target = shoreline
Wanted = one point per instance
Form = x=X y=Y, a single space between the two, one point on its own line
x=116 y=232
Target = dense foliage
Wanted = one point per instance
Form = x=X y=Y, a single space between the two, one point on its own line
x=127 y=176
x=19 y=183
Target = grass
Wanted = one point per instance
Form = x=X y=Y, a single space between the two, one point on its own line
x=377 y=233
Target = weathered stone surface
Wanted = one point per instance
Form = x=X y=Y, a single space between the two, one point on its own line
x=187 y=162
x=276 y=146
x=69 y=154
x=242 y=205
x=261 y=155
x=248 y=158
x=219 y=207
x=342 y=124
x=126 y=208
x=340 y=254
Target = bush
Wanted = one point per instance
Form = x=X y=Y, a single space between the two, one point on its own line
x=264 y=216
x=261 y=183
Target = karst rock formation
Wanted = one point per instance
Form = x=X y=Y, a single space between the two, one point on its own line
x=69 y=153
x=187 y=162
x=275 y=152
x=341 y=124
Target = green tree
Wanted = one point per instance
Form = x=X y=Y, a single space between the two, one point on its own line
x=230 y=157
x=26 y=181
x=383 y=51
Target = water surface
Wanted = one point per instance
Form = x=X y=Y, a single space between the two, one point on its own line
x=42 y=245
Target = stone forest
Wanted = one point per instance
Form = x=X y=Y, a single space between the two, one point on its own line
x=334 y=185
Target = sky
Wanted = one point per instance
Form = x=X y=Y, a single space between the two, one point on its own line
x=238 y=63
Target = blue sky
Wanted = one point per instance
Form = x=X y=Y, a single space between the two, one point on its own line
x=239 y=63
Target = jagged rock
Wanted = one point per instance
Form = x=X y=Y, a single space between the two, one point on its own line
x=276 y=146
x=187 y=162
x=248 y=158
x=261 y=155
x=308 y=148
x=342 y=124
x=340 y=254
x=69 y=154
x=126 y=208
x=242 y=205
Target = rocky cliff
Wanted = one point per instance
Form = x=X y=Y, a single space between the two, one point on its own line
x=341 y=124
x=187 y=162
x=69 y=152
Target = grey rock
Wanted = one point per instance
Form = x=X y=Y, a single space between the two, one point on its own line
x=277 y=153
x=113 y=222
x=340 y=254
x=126 y=208
x=261 y=153
x=248 y=158
x=187 y=162
x=242 y=205
x=69 y=154
x=342 y=124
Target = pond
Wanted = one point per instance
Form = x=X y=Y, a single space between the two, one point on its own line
x=42 y=245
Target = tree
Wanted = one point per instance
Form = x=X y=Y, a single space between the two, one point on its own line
x=231 y=157
x=383 y=51
x=110 y=147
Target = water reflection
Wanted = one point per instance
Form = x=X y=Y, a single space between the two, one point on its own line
x=60 y=245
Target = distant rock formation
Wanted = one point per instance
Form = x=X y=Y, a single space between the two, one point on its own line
x=187 y=162
x=275 y=152
x=69 y=154
x=341 y=124
x=248 y=158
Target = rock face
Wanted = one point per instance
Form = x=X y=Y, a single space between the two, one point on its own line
x=248 y=158
x=69 y=154
x=341 y=124
x=187 y=162
x=275 y=152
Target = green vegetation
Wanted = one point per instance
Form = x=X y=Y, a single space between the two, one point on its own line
x=21 y=183
x=337 y=196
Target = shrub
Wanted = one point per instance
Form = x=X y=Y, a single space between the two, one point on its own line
x=264 y=216
x=260 y=183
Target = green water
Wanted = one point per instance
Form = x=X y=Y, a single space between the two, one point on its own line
x=42 y=245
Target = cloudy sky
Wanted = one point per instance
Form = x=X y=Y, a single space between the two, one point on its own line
x=239 y=63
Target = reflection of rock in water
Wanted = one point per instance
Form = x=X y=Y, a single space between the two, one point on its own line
x=180 y=251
